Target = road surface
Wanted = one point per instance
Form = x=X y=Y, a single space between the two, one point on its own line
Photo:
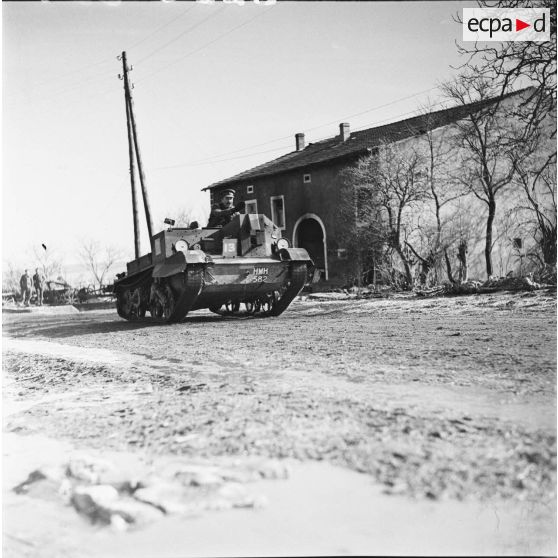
x=409 y=426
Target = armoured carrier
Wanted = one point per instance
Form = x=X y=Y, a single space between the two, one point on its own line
x=242 y=267
x=241 y=263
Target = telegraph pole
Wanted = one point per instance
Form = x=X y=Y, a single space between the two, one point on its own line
x=132 y=121
x=137 y=246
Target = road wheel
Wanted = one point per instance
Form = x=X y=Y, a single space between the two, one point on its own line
x=168 y=303
x=123 y=303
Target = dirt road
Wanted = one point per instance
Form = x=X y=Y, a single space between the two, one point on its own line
x=440 y=407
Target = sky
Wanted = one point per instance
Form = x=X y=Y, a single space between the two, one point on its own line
x=218 y=88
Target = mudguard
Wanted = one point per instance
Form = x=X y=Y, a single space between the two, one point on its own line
x=177 y=263
x=294 y=255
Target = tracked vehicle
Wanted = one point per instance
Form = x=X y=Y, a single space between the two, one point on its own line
x=244 y=267
x=240 y=267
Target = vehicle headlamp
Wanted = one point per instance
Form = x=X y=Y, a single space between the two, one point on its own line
x=283 y=243
x=181 y=245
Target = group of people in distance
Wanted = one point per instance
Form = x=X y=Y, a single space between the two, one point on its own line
x=27 y=284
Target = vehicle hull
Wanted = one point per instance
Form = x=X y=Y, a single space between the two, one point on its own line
x=169 y=284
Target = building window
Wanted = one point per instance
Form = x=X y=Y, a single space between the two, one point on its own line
x=251 y=206
x=518 y=243
x=250 y=189
x=306 y=178
x=278 y=211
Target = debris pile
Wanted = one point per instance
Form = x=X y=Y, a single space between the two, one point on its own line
x=546 y=275
x=512 y=283
x=494 y=284
x=107 y=495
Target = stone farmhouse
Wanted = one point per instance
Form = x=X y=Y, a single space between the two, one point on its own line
x=302 y=191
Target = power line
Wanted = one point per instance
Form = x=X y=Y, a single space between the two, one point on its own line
x=263 y=12
x=375 y=108
x=365 y=126
x=186 y=31
x=329 y=123
x=210 y=160
x=213 y=161
x=73 y=72
x=164 y=26
x=70 y=87
x=438 y=104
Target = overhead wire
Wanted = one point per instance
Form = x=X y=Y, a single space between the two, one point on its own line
x=73 y=72
x=162 y=68
x=164 y=26
x=69 y=88
x=375 y=108
x=215 y=158
x=213 y=161
x=328 y=123
x=173 y=40
x=365 y=126
x=213 y=14
x=185 y=32
x=34 y=96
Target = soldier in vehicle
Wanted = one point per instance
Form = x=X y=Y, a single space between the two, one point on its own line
x=26 y=285
x=223 y=213
x=39 y=283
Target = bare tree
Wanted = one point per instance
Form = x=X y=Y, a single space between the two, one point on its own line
x=99 y=260
x=362 y=232
x=538 y=181
x=503 y=148
x=486 y=140
x=48 y=261
x=509 y=65
x=391 y=189
x=534 y=161
x=402 y=189
x=10 y=277
x=182 y=216
x=515 y=64
x=440 y=191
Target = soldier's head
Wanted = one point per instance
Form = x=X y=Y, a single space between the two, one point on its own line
x=227 y=198
x=36 y=270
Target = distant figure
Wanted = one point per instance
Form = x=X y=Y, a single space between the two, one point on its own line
x=26 y=285
x=223 y=213
x=39 y=283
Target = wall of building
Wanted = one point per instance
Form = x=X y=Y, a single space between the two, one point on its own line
x=463 y=213
x=325 y=198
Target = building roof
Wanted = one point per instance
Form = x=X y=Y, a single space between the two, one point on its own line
x=359 y=142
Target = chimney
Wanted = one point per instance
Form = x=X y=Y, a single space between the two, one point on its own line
x=299 y=138
x=344 y=131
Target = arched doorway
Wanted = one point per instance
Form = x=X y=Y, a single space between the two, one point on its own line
x=309 y=233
